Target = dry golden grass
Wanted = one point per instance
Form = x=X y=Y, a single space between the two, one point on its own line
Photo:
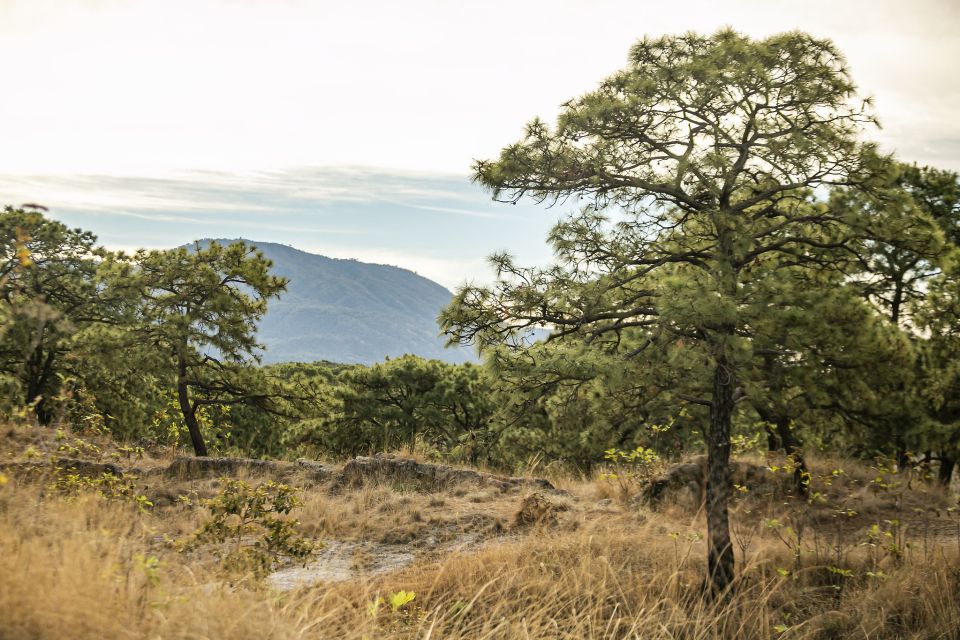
x=80 y=569
x=86 y=567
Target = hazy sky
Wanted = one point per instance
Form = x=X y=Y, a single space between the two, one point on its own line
x=252 y=93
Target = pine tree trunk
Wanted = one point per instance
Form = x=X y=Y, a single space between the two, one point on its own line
x=40 y=370
x=773 y=441
x=189 y=414
x=801 y=475
x=902 y=456
x=947 y=464
x=720 y=561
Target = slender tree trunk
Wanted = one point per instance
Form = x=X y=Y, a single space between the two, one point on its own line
x=900 y=447
x=781 y=436
x=35 y=391
x=773 y=441
x=896 y=303
x=720 y=561
x=189 y=414
x=801 y=474
x=945 y=474
x=474 y=449
x=903 y=457
x=413 y=438
x=32 y=394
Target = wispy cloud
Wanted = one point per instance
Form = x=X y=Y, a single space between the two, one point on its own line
x=438 y=209
x=439 y=225
x=248 y=191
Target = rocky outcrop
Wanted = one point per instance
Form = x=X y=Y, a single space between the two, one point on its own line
x=425 y=476
x=402 y=472
x=317 y=471
x=684 y=483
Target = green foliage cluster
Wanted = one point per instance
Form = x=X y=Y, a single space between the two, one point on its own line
x=630 y=470
x=250 y=527
x=471 y=414
x=148 y=345
x=409 y=401
x=403 y=610
x=70 y=484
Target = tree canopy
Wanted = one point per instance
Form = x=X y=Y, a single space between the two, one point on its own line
x=51 y=292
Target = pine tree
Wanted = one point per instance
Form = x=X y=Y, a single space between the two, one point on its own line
x=694 y=164
x=199 y=306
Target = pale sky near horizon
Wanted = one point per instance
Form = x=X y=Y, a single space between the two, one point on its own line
x=214 y=92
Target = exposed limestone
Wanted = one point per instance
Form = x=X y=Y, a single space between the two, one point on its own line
x=318 y=471
x=339 y=560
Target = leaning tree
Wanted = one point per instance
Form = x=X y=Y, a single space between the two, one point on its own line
x=200 y=307
x=693 y=165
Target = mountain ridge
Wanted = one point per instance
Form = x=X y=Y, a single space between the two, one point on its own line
x=348 y=311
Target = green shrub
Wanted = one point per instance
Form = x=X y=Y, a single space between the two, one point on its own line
x=250 y=527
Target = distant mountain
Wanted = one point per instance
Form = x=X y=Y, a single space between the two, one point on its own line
x=351 y=312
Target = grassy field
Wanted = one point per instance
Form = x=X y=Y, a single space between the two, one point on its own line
x=871 y=554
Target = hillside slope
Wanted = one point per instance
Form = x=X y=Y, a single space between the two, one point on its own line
x=350 y=311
